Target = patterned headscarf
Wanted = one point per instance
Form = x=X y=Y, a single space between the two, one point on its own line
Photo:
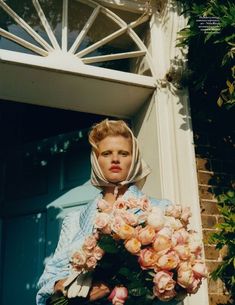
x=138 y=172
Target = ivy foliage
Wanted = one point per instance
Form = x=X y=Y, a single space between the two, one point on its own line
x=210 y=36
x=225 y=239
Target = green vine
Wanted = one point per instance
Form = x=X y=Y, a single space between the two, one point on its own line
x=211 y=49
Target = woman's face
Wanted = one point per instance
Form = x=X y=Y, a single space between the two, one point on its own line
x=114 y=157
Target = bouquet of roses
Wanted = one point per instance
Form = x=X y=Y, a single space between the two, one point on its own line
x=144 y=253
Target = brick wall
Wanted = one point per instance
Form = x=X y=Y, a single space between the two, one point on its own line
x=215 y=169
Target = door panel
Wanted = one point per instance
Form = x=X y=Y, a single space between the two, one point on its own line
x=23 y=257
x=44 y=181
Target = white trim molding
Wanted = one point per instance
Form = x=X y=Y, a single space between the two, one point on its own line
x=175 y=157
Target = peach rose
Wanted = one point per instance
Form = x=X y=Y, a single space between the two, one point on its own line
x=156 y=219
x=162 y=244
x=163 y=280
x=173 y=223
x=183 y=252
x=146 y=235
x=147 y=258
x=167 y=295
x=174 y=210
x=168 y=261
x=133 y=245
x=126 y=232
x=118 y=295
x=91 y=262
x=166 y=231
x=89 y=243
x=101 y=220
x=98 y=252
x=195 y=243
x=78 y=259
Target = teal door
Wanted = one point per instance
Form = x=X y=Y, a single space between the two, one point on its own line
x=42 y=182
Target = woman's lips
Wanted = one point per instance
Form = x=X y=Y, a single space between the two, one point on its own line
x=115 y=169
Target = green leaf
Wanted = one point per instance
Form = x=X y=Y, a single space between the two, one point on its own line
x=220 y=102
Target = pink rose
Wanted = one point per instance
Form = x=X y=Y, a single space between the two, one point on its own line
x=186 y=214
x=180 y=236
x=147 y=258
x=120 y=204
x=118 y=295
x=98 y=252
x=107 y=229
x=199 y=270
x=167 y=295
x=146 y=235
x=104 y=206
x=183 y=252
x=174 y=210
x=101 y=220
x=185 y=275
x=89 y=243
x=168 y=261
x=163 y=280
x=117 y=222
x=133 y=245
x=162 y=244
x=145 y=204
x=194 y=286
x=91 y=262
x=130 y=218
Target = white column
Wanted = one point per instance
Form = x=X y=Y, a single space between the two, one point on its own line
x=174 y=149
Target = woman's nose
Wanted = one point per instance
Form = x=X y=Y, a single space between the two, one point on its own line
x=115 y=158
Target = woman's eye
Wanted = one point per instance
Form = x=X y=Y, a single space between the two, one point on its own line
x=124 y=153
x=106 y=153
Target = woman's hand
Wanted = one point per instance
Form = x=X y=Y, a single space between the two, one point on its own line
x=98 y=291
x=59 y=285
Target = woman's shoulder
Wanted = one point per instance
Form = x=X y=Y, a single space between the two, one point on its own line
x=162 y=203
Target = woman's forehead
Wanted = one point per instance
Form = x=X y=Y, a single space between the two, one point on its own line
x=115 y=142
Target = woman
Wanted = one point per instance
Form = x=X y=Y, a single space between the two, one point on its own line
x=118 y=170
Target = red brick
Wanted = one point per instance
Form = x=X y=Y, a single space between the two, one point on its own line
x=206 y=192
x=218 y=299
x=209 y=208
x=205 y=178
x=211 y=266
x=207 y=235
x=203 y=164
x=211 y=253
x=208 y=221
